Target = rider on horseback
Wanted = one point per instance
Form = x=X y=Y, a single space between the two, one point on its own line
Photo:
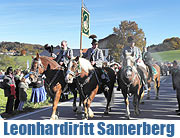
x=147 y=58
x=65 y=54
x=96 y=57
x=137 y=55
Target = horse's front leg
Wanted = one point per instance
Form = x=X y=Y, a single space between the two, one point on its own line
x=87 y=102
x=106 y=94
x=157 y=81
x=135 y=99
x=79 y=108
x=126 y=100
x=58 y=91
x=74 y=100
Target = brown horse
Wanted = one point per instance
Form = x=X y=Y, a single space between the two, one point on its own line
x=55 y=80
x=156 y=77
x=89 y=82
x=130 y=82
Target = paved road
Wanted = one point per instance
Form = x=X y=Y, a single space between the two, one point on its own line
x=164 y=108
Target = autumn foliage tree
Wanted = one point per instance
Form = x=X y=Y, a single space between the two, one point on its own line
x=122 y=32
x=168 y=44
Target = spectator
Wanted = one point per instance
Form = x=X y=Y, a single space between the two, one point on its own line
x=175 y=82
x=17 y=78
x=23 y=86
x=9 y=89
x=38 y=91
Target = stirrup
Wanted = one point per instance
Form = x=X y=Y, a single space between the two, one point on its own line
x=106 y=88
x=145 y=92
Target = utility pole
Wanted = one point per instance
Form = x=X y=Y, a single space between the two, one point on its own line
x=81 y=29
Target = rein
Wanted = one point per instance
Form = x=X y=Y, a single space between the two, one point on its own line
x=85 y=82
x=128 y=85
x=76 y=74
x=52 y=80
x=36 y=73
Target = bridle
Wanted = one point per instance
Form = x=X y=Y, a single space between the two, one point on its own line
x=39 y=64
x=77 y=70
x=128 y=67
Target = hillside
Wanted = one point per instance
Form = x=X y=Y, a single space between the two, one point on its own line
x=14 y=61
x=168 y=44
x=18 y=47
x=167 y=55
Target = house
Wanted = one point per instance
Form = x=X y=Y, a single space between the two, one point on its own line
x=56 y=51
x=103 y=44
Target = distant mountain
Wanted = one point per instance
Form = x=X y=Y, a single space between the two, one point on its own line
x=18 y=47
x=168 y=44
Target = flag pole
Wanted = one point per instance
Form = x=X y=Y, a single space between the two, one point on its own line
x=81 y=29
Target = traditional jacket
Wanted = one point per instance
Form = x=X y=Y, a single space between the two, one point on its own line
x=146 y=56
x=7 y=84
x=136 y=52
x=95 y=55
x=22 y=91
x=64 y=56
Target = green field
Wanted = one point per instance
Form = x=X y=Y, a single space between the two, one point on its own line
x=14 y=61
x=28 y=106
x=167 y=55
x=22 y=60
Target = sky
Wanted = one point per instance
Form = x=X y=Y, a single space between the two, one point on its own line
x=51 y=21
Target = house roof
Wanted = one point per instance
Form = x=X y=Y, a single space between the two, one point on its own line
x=56 y=51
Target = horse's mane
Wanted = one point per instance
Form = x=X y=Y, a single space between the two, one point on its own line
x=48 y=60
x=85 y=64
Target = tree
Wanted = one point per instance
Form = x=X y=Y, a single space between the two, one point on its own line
x=125 y=29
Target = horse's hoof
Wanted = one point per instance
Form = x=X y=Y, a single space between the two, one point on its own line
x=106 y=112
x=79 y=110
x=91 y=113
x=157 y=98
x=109 y=109
x=142 y=102
x=74 y=108
x=128 y=117
x=54 y=117
x=136 y=113
x=84 y=117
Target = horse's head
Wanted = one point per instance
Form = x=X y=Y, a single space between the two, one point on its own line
x=77 y=67
x=128 y=65
x=36 y=65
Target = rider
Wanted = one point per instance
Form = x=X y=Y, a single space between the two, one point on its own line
x=65 y=54
x=96 y=57
x=137 y=55
x=147 y=58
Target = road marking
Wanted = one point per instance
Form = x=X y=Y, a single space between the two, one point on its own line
x=27 y=114
x=30 y=113
x=163 y=80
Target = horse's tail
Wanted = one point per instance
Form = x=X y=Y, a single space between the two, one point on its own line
x=157 y=76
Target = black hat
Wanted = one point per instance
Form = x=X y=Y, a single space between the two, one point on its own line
x=175 y=62
x=130 y=39
x=9 y=70
x=94 y=41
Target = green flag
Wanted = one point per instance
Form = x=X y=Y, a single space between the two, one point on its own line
x=85 y=22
